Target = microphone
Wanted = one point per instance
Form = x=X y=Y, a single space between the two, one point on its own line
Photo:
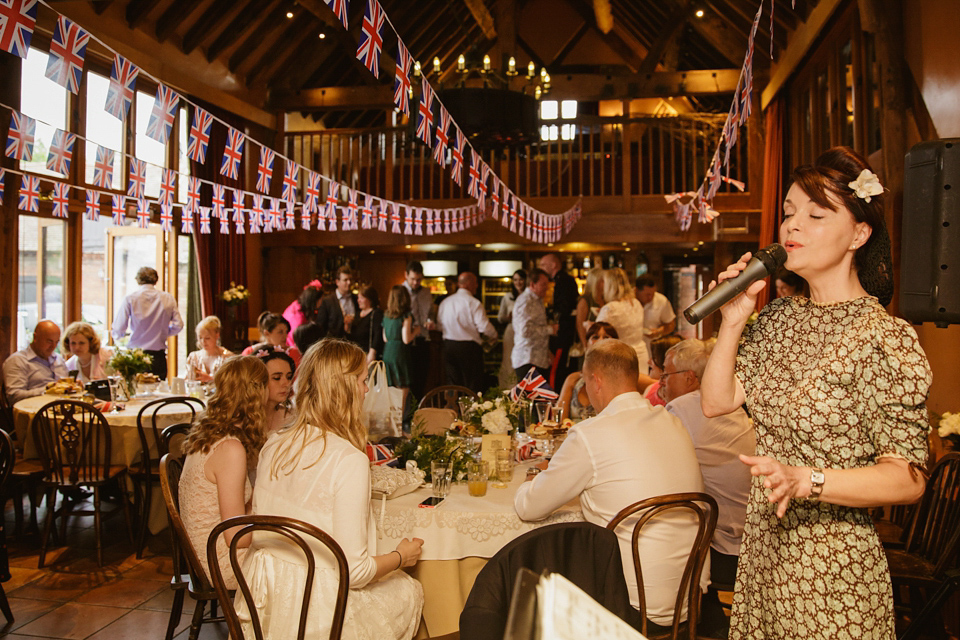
x=764 y=262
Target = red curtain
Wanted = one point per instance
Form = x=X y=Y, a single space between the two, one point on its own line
x=773 y=176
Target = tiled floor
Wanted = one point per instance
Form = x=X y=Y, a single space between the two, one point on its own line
x=74 y=598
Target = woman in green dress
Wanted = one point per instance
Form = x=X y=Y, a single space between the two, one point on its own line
x=836 y=388
x=398 y=333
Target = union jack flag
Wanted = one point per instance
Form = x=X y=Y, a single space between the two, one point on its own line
x=312 y=192
x=351 y=210
x=143 y=213
x=366 y=213
x=425 y=114
x=256 y=213
x=505 y=206
x=186 y=221
x=168 y=187
x=103 y=168
x=330 y=211
x=428 y=222
x=440 y=143
x=23 y=130
x=290 y=182
x=205 y=220
x=119 y=209
x=17 y=20
x=219 y=200
x=3 y=179
x=714 y=176
x=274 y=218
x=306 y=218
x=164 y=111
x=225 y=225
x=495 y=197
x=401 y=84
x=473 y=181
x=482 y=187
x=238 y=221
x=371 y=40
x=239 y=199
x=437 y=222
x=339 y=8
x=166 y=217
x=407 y=220
x=456 y=153
x=516 y=215
x=67 y=49
x=418 y=221
x=123 y=80
x=379 y=454
x=265 y=169
x=138 y=178
x=446 y=221
x=290 y=217
x=232 y=154
x=394 y=217
x=61 y=200
x=61 y=151
x=382 y=217
x=93 y=205
x=199 y=136
x=193 y=195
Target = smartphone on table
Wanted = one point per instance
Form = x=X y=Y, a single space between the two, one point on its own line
x=431 y=503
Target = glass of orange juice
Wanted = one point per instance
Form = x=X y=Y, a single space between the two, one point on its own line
x=477 y=476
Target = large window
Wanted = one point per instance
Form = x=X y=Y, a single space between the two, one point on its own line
x=40 y=281
x=44 y=100
x=556 y=119
x=103 y=130
x=147 y=148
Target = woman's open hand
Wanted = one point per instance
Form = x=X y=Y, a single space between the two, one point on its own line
x=741 y=307
x=784 y=482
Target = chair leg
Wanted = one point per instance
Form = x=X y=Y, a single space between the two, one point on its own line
x=98 y=524
x=17 y=512
x=5 y=606
x=125 y=499
x=175 y=613
x=145 y=500
x=48 y=523
x=197 y=619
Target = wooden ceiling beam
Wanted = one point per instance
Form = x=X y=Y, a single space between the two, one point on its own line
x=286 y=46
x=332 y=99
x=674 y=26
x=269 y=24
x=301 y=67
x=349 y=40
x=631 y=52
x=99 y=6
x=484 y=20
x=237 y=27
x=727 y=40
x=570 y=44
x=137 y=10
x=173 y=17
x=206 y=24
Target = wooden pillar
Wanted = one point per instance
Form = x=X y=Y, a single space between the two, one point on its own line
x=9 y=218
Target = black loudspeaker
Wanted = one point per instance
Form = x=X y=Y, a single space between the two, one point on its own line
x=930 y=241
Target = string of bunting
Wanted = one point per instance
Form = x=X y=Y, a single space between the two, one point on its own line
x=361 y=211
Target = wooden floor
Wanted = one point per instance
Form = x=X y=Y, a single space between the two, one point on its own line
x=74 y=598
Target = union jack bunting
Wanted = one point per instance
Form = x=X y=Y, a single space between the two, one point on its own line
x=232 y=154
x=321 y=218
x=3 y=179
x=339 y=8
x=332 y=219
x=456 y=153
x=17 y=20
x=330 y=210
x=425 y=112
x=219 y=200
x=164 y=111
x=224 y=227
x=67 y=49
x=168 y=187
x=514 y=215
x=482 y=187
x=138 y=178
x=256 y=213
x=23 y=130
x=103 y=168
x=441 y=141
x=306 y=218
x=204 y=220
x=61 y=151
x=394 y=217
x=119 y=210
x=495 y=198
x=366 y=213
x=401 y=83
x=193 y=195
x=714 y=176
x=371 y=38
x=407 y=220
x=344 y=219
x=238 y=221
x=61 y=200
x=143 y=213
x=437 y=222
x=186 y=221
x=199 y=135
x=166 y=217
x=505 y=207
x=473 y=180
x=93 y=205
x=382 y=217
x=265 y=169
x=123 y=79
x=312 y=192
x=352 y=210
x=239 y=199
x=418 y=221
x=290 y=218
x=446 y=221
x=428 y=221
x=290 y=182
x=274 y=217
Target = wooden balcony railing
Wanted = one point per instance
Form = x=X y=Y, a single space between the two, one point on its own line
x=604 y=157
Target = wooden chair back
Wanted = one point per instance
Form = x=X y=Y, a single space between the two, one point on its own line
x=704 y=508
x=73 y=439
x=6 y=410
x=7 y=458
x=183 y=551
x=935 y=530
x=297 y=532
x=172 y=438
x=447 y=397
x=147 y=420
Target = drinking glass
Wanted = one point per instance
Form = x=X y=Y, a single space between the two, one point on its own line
x=440 y=472
x=477 y=478
x=465 y=404
x=504 y=468
x=556 y=413
x=543 y=410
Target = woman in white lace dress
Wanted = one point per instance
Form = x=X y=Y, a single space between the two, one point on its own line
x=317 y=471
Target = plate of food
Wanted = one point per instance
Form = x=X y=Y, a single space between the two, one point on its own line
x=64 y=387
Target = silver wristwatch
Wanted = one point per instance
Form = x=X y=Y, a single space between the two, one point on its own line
x=816 y=484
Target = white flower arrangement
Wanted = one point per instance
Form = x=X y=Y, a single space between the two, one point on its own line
x=866 y=185
x=236 y=294
x=496 y=421
x=949 y=425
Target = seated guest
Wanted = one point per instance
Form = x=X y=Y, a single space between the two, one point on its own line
x=274 y=329
x=718 y=442
x=280 y=370
x=221 y=449
x=317 y=471
x=87 y=357
x=622 y=309
x=303 y=309
x=367 y=328
x=658 y=352
x=204 y=362
x=573 y=396
x=27 y=372
x=630 y=451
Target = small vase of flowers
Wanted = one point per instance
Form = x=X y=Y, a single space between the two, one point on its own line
x=128 y=363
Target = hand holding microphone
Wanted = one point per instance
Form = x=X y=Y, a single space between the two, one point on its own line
x=738 y=279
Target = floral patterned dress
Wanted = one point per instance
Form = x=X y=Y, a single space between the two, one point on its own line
x=834 y=386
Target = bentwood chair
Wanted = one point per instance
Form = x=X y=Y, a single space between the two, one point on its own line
x=25 y=474
x=298 y=534
x=172 y=438
x=145 y=473
x=704 y=509
x=447 y=397
x=189 y=576
x=73 y=439
x=6 y=467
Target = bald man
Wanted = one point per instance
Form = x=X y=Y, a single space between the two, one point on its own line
x=464 y=323
x=27 y=372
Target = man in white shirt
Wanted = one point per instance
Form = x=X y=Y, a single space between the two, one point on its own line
x=27 y=372
x=152 y=316
x=718 y=443
x=421 y=308
x=531 y=333
x=464 y=323
x=629 y=452
x=658 y=316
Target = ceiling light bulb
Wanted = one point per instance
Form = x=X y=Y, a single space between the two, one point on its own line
x=322 y=35
x=486 y=63
x=436 y=65
x=461 y=63
x=531 y=69
x=543 y=72
x=289 y=14
x=512 y=66
x=699 y=13
x=416 y=68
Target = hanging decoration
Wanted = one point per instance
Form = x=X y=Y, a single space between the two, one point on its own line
x=103 y=168
x=123 y=81
x=17 y=21
x=61 y=152
x=67 y=50
x=23 y=131
x=199 y=135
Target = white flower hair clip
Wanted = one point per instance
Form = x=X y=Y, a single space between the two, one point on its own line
x=866 y=185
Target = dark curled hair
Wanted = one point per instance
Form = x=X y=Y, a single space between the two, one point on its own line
x=308 y=300
x=826 y=182
x=267 y=352
x=608 y=328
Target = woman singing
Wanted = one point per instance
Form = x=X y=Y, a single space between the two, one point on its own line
x=836 y=388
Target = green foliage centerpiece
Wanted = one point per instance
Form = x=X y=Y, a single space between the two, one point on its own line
x=128 y=363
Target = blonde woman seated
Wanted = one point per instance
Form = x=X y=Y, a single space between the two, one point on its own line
x=221 y=449
x=573 y=395
x=87 y=357
x=622 y=309
x=317 y=471
x=204 y=362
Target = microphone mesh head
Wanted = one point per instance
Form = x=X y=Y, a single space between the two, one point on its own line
x=773 y=257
